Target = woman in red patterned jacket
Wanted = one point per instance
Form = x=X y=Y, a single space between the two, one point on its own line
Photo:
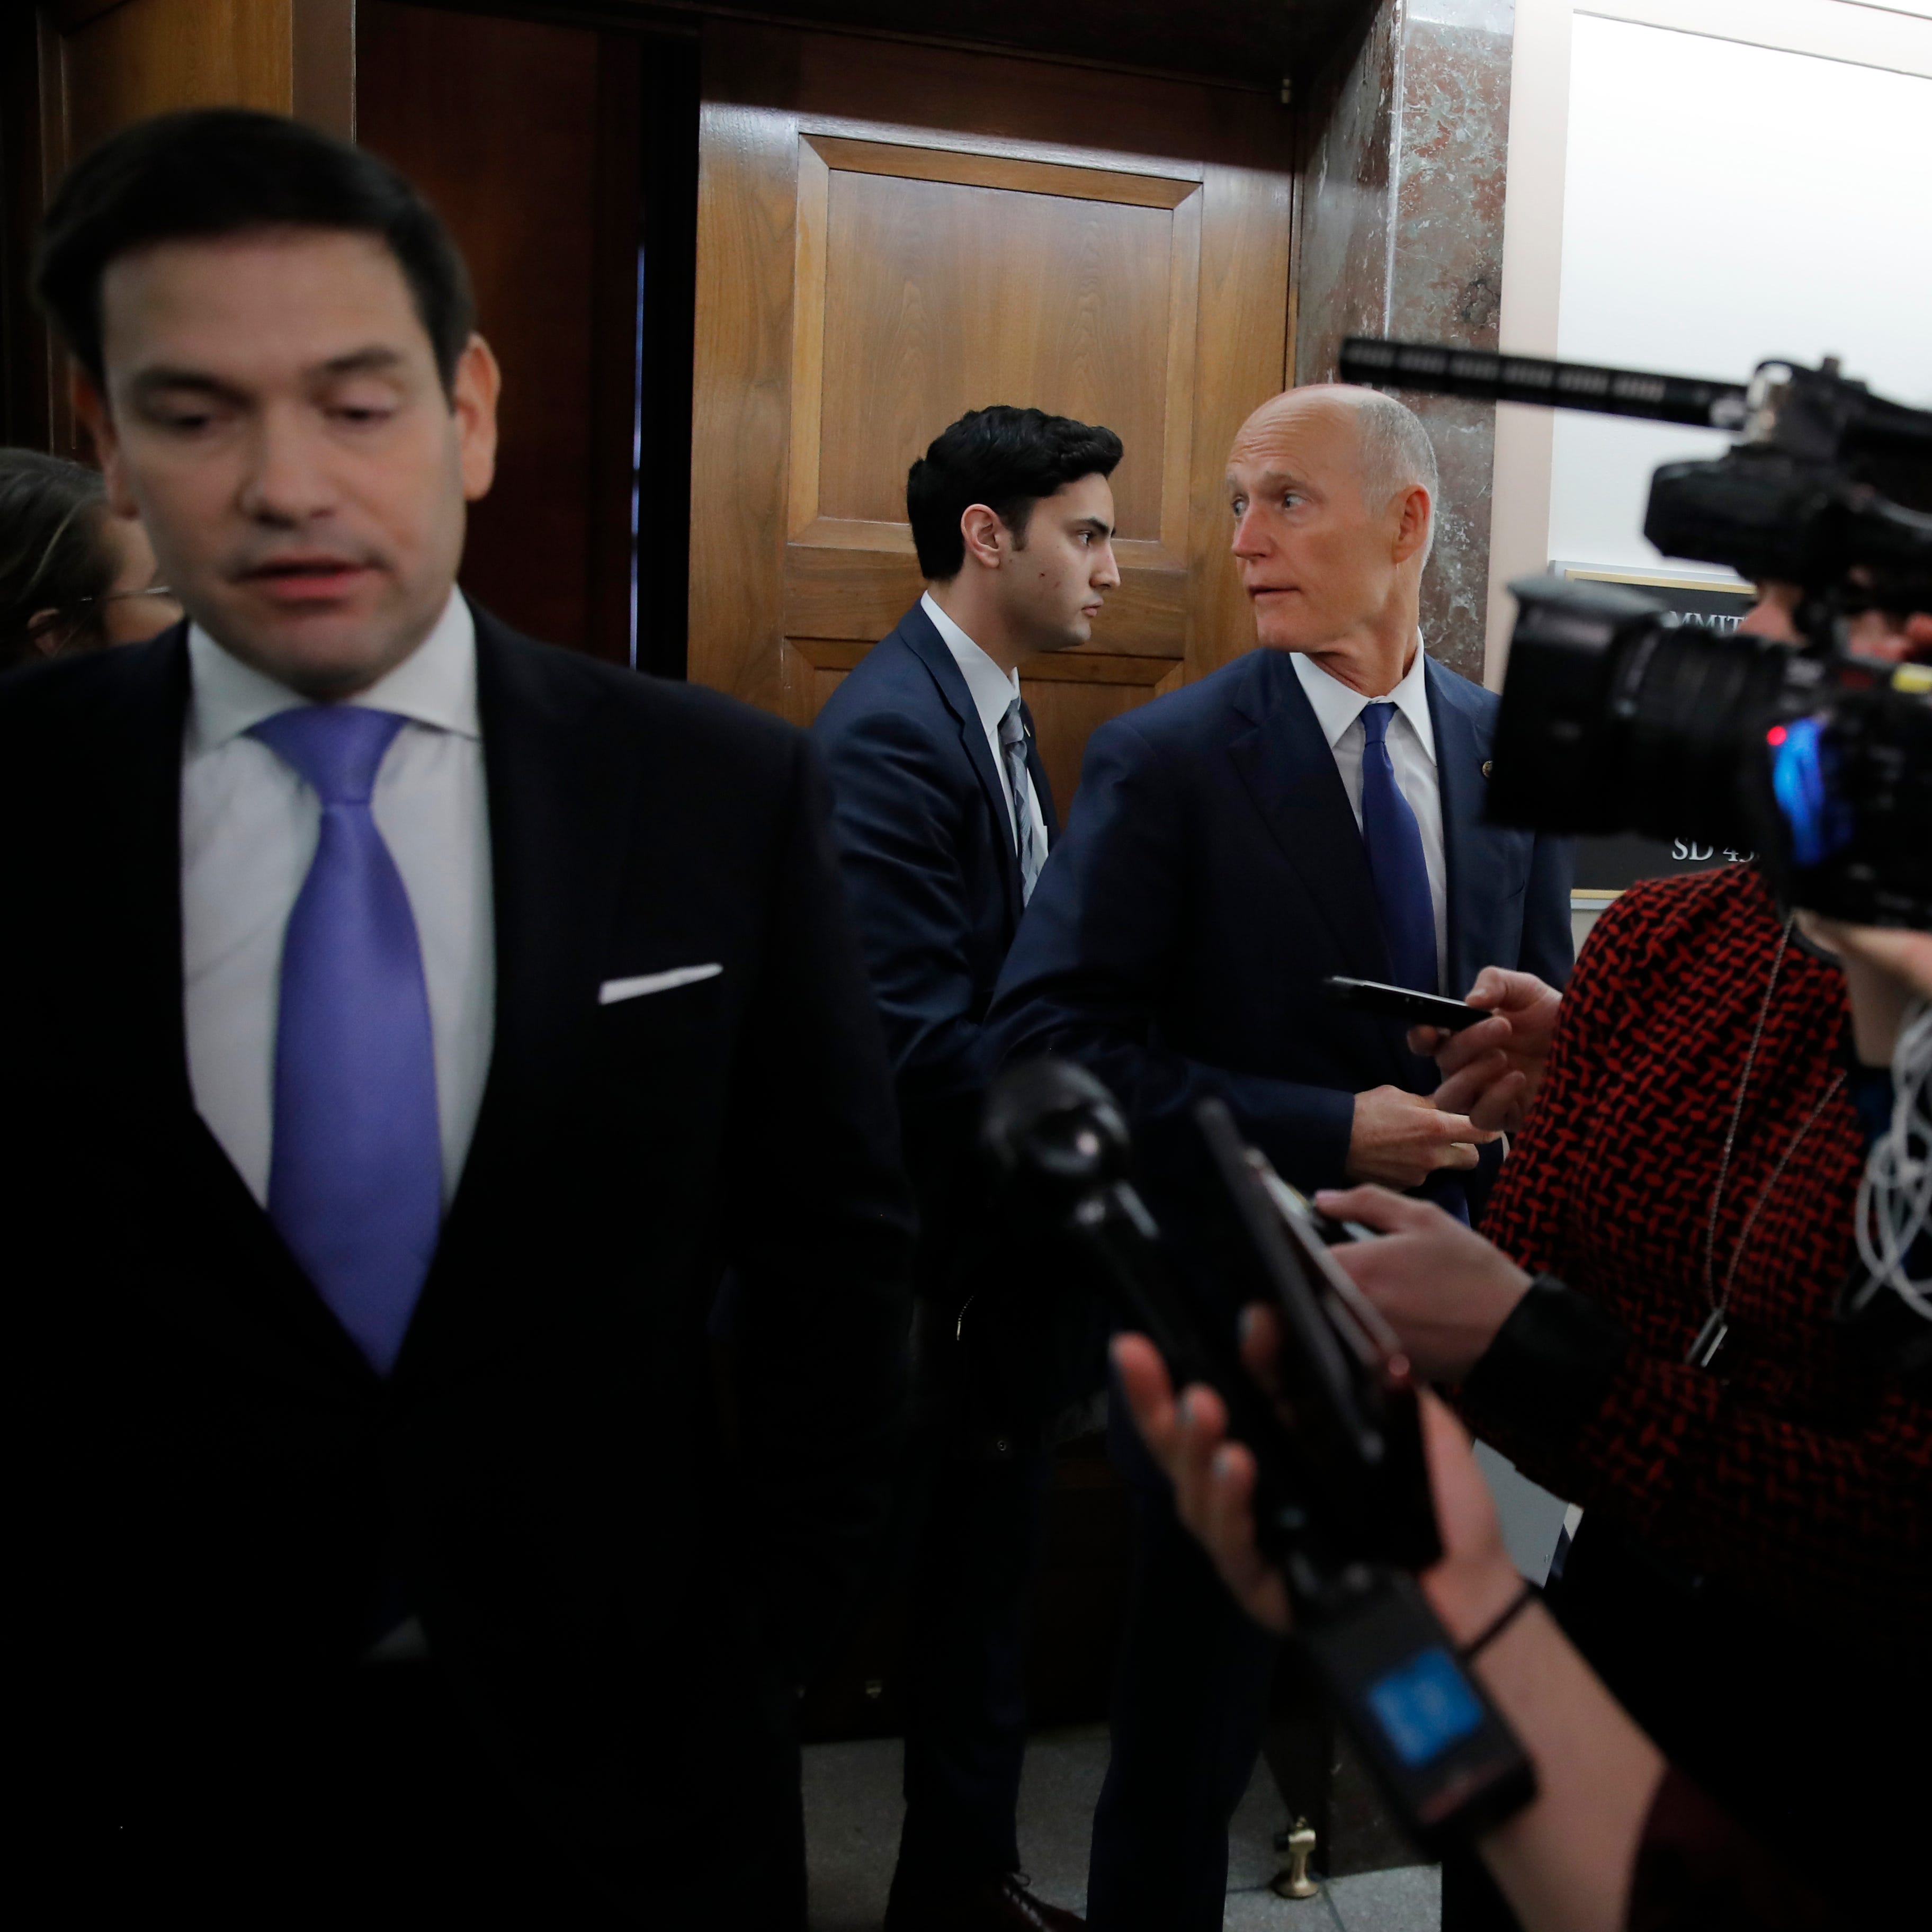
x=1652 y=1335
x=1617 y=1840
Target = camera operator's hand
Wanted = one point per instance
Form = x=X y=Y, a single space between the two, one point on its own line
x=1491 y=1070
x=1886 y=969
x=1873 y=634
x=1213 y=1482
x=1565 y=1863
x=1400 y=1138
x=1443 y=1289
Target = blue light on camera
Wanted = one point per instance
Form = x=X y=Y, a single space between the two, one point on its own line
x=1804 y=774
x=1424 y=1707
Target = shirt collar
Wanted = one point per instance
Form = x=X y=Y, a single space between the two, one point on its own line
x=435 y=685
x=993 y=690
x=1337 y=705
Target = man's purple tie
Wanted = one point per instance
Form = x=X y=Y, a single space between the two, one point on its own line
x=355 y=1175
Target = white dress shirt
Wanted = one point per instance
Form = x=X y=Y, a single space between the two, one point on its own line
x=993 y=691
x=249 y=826
x=1412 y=749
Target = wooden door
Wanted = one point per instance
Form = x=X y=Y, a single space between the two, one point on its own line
x=105 y=64
x=888 y=236
x=525 y=136
x=115 y=62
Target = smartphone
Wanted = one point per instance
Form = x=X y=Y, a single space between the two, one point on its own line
x=1402 y=1003
x=1343 y=1372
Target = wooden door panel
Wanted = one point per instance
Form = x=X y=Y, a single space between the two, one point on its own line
x=106 y=64
x=524 y=135
x=862 y=282
x=1072 y=693
x=928 y=281
x=114 y=64
x=121 y=65
x=940 y=297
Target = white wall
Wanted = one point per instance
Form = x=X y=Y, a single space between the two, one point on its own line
x=1723 y=203
x=1695 y=185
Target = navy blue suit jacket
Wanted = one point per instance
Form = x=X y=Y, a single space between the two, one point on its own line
x=1213 y=875
x=928 y=858
x=926 y=851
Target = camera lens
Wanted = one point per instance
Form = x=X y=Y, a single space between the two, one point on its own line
x=1617 y=717
x=1695 y=701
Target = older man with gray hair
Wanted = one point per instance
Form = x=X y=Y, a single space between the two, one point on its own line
x=1314 y=808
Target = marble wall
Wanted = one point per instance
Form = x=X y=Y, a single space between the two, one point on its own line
x=1402 y=234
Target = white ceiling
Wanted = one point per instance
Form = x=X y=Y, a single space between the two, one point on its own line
x=1895 y=34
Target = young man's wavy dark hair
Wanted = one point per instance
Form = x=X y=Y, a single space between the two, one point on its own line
x=1005 y=458
x=220 y=171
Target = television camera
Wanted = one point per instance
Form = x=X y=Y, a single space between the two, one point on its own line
x=1617 y=715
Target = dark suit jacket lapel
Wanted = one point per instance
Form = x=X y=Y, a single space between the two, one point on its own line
x=1037 y=772
x=254 y=1300
x=149 y=768
x=1290 y=774
x=1289 y=771
x=1475 y=853
x=922 y=639
x=562 y=806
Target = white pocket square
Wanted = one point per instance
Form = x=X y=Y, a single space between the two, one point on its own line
x=612 y=991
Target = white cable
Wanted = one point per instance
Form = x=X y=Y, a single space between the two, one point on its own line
x=1895 y=1196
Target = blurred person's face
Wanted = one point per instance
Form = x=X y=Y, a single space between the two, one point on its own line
x=1871 y=633
x=133 y=608
x=139 y=603
x=1320 y=564
x=274 y=414
x=1774 y=615
x=1050 y=587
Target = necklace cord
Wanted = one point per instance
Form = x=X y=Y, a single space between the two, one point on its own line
x=1718 y=1300
x=1737 y=1115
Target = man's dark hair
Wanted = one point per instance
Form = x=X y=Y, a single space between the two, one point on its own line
x=1005 y=458
x=222 y=171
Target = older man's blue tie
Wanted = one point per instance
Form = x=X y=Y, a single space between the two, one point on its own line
x=1396 y=863
x=355 y=1174
x=1401 y=877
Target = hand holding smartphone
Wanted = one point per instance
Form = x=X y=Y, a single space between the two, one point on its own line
x=1402 y=1003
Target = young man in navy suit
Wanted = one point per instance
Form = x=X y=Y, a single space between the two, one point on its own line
x=1314 y=808
x=944 y=819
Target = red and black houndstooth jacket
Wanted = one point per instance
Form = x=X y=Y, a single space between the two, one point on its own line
x=1790 y=1468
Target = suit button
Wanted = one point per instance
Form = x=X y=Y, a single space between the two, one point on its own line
x=1489 y=768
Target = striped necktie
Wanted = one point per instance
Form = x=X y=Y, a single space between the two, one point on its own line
x=1013 y=749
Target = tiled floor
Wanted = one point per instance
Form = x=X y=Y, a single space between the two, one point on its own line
x=852 y=1821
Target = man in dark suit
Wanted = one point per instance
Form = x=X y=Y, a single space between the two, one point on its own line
x=944 y=819
x=1315 y=808
x=408 y=1023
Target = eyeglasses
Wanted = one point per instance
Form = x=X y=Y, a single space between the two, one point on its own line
x=63 y=627
x=116 y=596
